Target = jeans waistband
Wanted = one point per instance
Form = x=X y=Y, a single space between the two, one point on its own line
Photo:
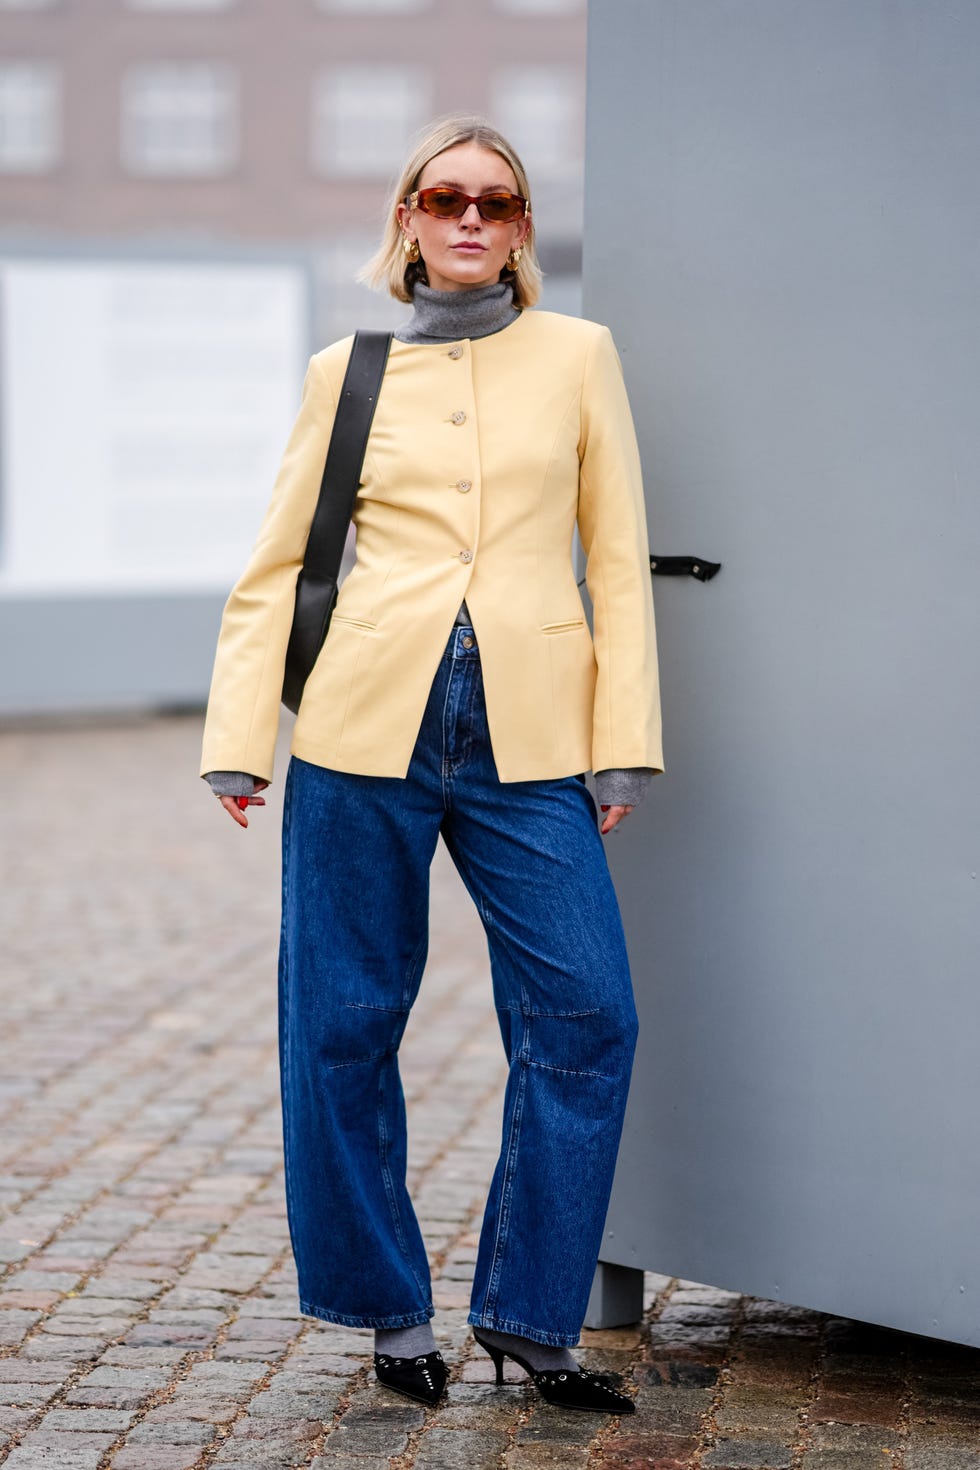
x=462 y=643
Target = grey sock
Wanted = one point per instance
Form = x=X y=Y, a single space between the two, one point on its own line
x=405 y=1342
x=542 y=1358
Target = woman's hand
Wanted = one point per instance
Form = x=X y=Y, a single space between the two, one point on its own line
x=232 y=805
x=613 y=815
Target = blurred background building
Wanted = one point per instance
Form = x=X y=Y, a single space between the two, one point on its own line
x=275 y=121
x=187 y=188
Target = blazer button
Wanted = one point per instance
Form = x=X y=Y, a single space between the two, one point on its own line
x=463 y=485
x=459 y=417
x=466 y=556
x=455 y=352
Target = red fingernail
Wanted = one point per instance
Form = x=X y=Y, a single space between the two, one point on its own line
x=242 y=802
x=603 y=808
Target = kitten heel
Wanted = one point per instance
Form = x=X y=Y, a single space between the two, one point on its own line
x=569 y=1388
x=497 y=1354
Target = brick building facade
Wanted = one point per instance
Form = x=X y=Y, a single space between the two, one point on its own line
x=277 y=123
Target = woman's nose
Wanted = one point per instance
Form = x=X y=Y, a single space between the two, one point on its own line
x=470 y=216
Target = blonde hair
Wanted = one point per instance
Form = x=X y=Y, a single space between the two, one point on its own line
x=388 y=268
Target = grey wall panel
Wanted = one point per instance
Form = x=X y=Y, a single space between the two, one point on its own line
x=782 y=226
x=103 y=653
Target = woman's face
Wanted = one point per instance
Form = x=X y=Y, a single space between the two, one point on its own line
x=469 y=251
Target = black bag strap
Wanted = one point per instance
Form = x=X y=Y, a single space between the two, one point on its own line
x=345 y=456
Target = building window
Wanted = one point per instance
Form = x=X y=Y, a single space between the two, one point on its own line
x=363 y=117
x=30 y=117
x=181 y=4
x=539 y=108
x=180 y=119
x=541 y=7
x=373 y=7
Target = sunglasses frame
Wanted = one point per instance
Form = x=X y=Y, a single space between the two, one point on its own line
x=414 y=201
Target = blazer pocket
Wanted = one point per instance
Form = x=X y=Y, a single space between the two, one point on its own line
x=353 y=622
x=565 y=627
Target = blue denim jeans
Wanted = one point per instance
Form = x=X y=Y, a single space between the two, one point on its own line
x=356 y=858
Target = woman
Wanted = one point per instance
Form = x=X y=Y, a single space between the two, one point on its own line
x=496 y=430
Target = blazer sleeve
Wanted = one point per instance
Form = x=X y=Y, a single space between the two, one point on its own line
x=612 y=525
x=242 y=718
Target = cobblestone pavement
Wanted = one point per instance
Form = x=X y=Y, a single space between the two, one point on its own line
x=148 y=1316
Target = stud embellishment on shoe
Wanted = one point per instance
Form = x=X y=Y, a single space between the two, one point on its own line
x=567 y=1389
x=423 y=1378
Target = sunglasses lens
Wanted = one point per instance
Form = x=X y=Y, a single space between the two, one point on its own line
x=501 y=208
x=443 y=203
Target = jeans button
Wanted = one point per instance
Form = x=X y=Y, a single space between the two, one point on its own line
x=466 y=641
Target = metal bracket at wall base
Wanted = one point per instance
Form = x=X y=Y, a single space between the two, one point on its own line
x=616 y=1297
x=684 y=566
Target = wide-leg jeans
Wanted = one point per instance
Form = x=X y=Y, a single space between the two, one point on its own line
x=356 y=857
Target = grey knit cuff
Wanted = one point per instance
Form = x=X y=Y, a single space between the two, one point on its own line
x=622 y=787
x=231 y=783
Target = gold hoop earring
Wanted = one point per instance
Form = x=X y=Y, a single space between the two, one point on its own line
x=411 y=249
x=514 y=258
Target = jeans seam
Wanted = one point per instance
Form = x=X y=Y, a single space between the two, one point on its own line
x=563 y=1015
x=473 y=887
x=362 y=1005
x=493 y=1323
x=444 y=761
x=412 y=975
x=570 y=1071
x=343 y=1319
x=355 y=1061
x=469 y=741
x=390 y=1191
x=507 y=1185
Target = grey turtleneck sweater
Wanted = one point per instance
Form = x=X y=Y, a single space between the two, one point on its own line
x=451 y=316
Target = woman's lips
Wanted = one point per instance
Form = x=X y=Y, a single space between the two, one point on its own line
x=470 y=249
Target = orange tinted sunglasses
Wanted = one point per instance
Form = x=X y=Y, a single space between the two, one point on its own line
x=444 y=203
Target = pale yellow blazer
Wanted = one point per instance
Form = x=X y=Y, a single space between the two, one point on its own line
x=482 y=456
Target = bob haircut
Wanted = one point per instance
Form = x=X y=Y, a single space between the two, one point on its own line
x=388 y=268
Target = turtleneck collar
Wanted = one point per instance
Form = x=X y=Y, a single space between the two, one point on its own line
x=448 y=316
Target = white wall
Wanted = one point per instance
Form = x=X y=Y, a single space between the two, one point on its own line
x=144 y=408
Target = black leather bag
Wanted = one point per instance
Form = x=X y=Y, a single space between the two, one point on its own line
x=316 y=586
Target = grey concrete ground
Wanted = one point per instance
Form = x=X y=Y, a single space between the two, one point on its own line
x=148 y=1313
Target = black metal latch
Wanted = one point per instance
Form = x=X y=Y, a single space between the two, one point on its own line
x=684 y=566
